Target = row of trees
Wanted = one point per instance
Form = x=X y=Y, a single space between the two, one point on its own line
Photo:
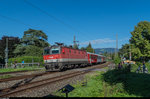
x=31 y=44
x=139 y=45
x=88 y=48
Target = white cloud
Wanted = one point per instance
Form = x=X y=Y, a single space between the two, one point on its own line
x=98 y=41
x=102 y=41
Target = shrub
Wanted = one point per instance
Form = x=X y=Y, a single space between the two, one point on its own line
x=27 y=59
x=117 y=60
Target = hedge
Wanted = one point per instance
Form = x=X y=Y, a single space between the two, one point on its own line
x=27 y=59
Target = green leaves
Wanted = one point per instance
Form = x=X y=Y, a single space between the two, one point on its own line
x=32 y=43
x=35 y=37
x=89 y=48
x=141 y=41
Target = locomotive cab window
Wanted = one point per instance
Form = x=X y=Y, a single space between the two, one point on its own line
x=46 y=51
x=55 y=51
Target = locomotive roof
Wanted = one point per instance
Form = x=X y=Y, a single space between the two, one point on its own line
x=95 y=54
x=73 y=48
x=63 y=46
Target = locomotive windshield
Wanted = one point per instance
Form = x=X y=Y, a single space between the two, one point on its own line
x=52 y=50
x=55 y=51
x=46 y=51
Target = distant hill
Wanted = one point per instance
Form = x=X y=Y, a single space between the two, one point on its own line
x=102 y=50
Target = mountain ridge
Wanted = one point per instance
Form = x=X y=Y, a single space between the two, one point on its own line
x=102 y=50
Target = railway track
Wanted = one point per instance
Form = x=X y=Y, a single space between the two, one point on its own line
x=25 y=76
x=36 y=84
x=2 y=73
x=41 y=74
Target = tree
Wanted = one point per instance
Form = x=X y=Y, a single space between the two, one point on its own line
x=12 y=43
x=33 y=51
x=83 y=48
x=117 y=60
x=20 y=50
x=141 y=41
x=75 y=46
x=124 y=51
x=89 y=48
x=35 y=37
x=32 y=43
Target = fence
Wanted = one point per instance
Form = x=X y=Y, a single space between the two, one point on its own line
x=2 y=65
x=20 y=65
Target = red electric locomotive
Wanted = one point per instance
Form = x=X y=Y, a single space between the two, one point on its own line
x=58 y=57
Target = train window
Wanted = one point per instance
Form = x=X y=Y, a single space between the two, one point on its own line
x=69 y=50
x=46 y=51
x=74 y=51
x=79 y=52
x=54 y=51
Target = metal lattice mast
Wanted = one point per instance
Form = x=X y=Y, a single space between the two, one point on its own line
x=6 y=53
x=116 y=53
x=75 y=42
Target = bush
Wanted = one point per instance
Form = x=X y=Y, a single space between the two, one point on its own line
x=117 y=60
x=27 y=59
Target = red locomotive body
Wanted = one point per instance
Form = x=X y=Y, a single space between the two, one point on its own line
x=58 y=57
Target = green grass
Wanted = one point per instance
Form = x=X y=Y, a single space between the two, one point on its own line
x=5 y=76
x=18 y=69
x=113 y=83
x=85 y=91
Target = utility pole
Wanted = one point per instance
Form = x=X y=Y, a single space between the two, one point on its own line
x=116 y=53
x=130 y=52
x=75 y=42
x=6 y=53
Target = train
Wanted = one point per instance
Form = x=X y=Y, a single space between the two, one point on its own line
x=59 y=57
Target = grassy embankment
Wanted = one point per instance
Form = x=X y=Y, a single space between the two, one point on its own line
x=17 y=69
x=20 y=69
x=113 y=83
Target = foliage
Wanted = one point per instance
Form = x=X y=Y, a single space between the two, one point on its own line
x=89 y=48
x=117 y=60
x=20 y=50
x=83 y=48
x=27 y=59
x=12 y=43
x=133 y=84
x=75 y=46
x=141 y=41
x=35 y=37
x=124 y=51
x=32 y=43
x=33 y=51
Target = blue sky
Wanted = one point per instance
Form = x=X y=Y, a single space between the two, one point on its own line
x=95 y=21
